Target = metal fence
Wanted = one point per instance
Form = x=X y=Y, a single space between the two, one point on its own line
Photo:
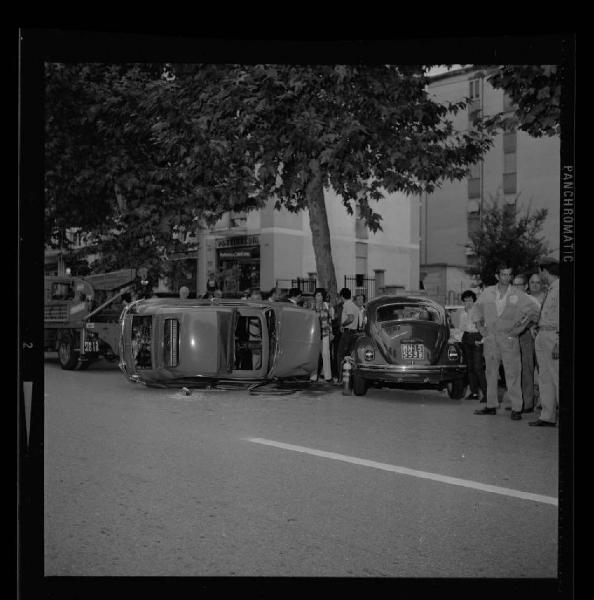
x=359 y=284
x=356 y=283
x=307 y=286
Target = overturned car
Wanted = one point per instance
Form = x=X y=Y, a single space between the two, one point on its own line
x=407 y=343
x=172 y=342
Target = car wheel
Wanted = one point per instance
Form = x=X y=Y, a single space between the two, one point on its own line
x=359 y=385
x=67 y=356
x=456 y=389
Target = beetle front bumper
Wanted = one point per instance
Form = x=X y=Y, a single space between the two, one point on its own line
x=426 y=374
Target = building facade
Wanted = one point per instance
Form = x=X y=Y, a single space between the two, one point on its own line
x=272 y=247
x=268 y=247
x=517 y=167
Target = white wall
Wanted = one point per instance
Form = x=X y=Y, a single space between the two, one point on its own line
x=538 y=179
x=287 y=251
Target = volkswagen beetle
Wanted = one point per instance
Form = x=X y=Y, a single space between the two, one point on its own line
x=171 y=342
x=407 y=342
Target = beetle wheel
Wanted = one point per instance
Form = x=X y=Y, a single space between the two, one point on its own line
x=67 y=356
x=359 y=385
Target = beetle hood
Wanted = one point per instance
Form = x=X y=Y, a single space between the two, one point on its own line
x=399 y=341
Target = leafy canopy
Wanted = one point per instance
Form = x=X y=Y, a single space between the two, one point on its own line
x=134 y=151
x=535 y=91
x=509 y=236
x=267 y=129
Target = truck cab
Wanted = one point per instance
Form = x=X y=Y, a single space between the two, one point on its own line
x=81 y=316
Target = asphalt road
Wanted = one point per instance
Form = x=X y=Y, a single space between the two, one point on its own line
x=142 y=481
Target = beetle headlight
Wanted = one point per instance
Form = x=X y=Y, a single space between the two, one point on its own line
x=366 y=353
x=453 y=353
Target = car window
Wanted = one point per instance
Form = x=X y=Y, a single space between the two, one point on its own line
x=62 y=291
x=141 y=341
x=406 y=312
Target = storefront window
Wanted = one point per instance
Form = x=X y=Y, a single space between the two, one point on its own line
x=238 y=263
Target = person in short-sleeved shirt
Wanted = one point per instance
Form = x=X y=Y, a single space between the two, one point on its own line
x=350 y=309
x=473 y=348
x=547 y=347
x=501 y=313
x=348 y=325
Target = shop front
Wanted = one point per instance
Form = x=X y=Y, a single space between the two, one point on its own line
x=238 y=262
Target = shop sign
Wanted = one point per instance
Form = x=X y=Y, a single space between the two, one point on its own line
x=247 y=253
x=239 y=241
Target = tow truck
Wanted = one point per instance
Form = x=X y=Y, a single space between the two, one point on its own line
x=81 y=315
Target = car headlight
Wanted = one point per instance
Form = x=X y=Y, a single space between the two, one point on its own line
x=453 y=353
x=366 y=353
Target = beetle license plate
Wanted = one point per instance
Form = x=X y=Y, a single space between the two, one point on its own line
x=91 y=346
x=413 y=351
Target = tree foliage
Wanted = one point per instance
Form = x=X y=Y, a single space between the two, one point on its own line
x=535 y=90
x=155 y=146
x=508 y=236
x=104 y=173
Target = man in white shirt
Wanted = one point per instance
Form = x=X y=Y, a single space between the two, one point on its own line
x=501 y=313
x=360 y=303
x=527 y=352
x=348 y=325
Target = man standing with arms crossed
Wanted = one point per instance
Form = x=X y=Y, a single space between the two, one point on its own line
x=501 y=313
x=547 y=347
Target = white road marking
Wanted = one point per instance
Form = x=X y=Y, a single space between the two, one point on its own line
x=494 y=489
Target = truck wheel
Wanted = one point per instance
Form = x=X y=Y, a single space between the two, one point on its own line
x=67 y=356
x=456 y=389
x=359 y=385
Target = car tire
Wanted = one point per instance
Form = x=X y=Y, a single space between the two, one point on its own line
x=456 y=389
x=67 y=355
x=359 y=385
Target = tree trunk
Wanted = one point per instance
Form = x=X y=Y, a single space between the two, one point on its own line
x=320 y=233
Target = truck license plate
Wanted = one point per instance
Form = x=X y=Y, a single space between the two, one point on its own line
x=413 y=351
x=91 y=346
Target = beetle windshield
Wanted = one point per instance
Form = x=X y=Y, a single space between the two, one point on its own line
x=407 y=312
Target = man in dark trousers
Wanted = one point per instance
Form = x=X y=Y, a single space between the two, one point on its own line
x=547 y=347
x=348 y=327
x=527 y=352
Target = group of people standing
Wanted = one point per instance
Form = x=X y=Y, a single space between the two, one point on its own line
x=515 y=323
x=339 y=320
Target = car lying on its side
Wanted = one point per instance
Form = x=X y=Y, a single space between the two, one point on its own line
x=407 y=342
x=168 y=341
